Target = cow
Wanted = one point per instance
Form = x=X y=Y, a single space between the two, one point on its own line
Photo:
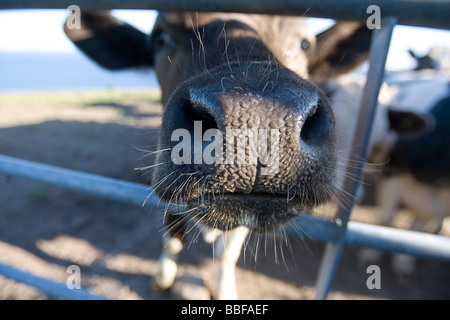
x=416 y=157
x=437 y=58
x=227 y=78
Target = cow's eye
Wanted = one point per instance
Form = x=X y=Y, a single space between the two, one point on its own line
x=304 y=45
x=162 y=39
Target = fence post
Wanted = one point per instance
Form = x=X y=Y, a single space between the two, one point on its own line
x=378 y=53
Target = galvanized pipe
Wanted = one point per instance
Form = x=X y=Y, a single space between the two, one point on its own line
x=415 y=243
x=105 y=187
x=50 y=287
x=308 y=227
x=382 y=238
x=379 y=48
x=425 y=13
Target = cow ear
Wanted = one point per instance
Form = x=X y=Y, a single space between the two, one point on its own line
x=410 y=124
x=339 y=50
x=111 y=43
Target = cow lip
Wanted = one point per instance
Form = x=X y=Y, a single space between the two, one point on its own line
x=244 y=195
x=260 y=212
x=247 y=197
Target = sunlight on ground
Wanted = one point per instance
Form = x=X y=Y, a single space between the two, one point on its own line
x=126 y=107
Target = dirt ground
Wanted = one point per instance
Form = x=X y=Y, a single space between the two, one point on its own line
x=44 y=229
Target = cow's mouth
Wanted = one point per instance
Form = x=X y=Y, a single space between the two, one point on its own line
x=257 y=211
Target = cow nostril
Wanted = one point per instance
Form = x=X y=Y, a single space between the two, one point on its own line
x=313 y=127
x=199 y=113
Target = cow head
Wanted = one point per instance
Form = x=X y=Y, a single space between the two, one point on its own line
x=247 y=138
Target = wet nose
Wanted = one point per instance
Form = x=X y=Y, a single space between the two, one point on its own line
x=255 y=137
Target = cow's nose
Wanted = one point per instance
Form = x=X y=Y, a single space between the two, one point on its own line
x=256 y=131
x=222 y=110
x=300 y=117
x=234 y=140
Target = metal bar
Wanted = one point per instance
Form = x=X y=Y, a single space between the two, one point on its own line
x=358 y=234
x=425 y=13
x=314 y=228
x=50 y=287
x=378 y=53
x=79 y=181
x=420 y=244
x=308 y=227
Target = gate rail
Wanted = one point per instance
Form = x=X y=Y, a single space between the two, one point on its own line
x=338 y=232
x=423 y=13
x=358 y=234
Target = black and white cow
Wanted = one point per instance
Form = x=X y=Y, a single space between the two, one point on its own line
x=416 y=154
